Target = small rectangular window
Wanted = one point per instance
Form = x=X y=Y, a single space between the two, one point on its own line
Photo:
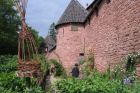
x=74 y=27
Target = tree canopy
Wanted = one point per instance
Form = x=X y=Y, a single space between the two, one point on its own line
x=9 y=25
x=9 y=28
x=39 y=39
x=52 y=31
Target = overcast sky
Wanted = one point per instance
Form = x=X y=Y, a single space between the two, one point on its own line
x=41 y=13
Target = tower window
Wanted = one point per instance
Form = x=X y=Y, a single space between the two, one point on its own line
x=74 y=27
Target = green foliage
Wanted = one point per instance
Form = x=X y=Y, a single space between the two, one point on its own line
x=44 y=63
x=97 y=83
x=35 y=89
x=126 y=67
x=9 y=83
x=52 y=31
x=9 y=25
x=39 y=40
x=118 y=72
x=8 y=79
x=8 y=63
x=59 y=70
x=131 y=61
x=88 y=66
x=94 y=83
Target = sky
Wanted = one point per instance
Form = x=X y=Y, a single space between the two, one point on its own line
x=42 y=13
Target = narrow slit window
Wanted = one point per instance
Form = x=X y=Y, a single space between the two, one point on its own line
x=63 y=31
x=96 y=11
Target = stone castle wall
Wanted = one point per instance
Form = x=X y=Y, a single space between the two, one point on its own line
x=113 y=34
x=70 y=44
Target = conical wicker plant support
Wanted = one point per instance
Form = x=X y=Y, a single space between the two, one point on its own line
x=28 y=63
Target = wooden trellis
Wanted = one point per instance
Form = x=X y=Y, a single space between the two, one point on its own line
x=28 y=63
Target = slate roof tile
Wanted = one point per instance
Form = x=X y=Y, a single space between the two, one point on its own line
x=74 y=13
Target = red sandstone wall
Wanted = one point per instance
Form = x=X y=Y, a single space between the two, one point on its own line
x=115 y=32
x=112 y=35
x=69 y=45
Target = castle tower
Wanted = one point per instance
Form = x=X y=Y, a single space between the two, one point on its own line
x=70 y=35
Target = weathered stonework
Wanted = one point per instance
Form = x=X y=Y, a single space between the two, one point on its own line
x=70 y=44
x=113 y=34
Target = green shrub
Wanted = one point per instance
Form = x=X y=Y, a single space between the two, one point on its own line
x=131 y=61
x=8 y=63
x=44 y=63
x=59 y=70
x=9 y=83
x=98 y=83
x=118 y=72
x=35 y=89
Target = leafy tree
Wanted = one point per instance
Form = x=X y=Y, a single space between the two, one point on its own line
x=9 y=25
x=9 y=28
x=52 y=31
x=38 y=39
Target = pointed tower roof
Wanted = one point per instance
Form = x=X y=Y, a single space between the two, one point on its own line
x=74 y=13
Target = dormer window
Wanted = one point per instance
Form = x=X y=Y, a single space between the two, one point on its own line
x=74 y=27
